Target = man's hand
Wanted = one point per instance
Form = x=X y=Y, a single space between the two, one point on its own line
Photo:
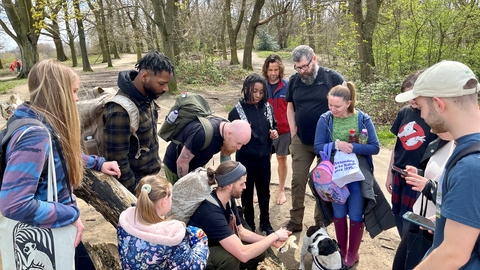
x=111 y=168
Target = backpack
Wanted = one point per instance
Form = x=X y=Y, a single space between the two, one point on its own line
x=243 y=116
x=190 y=107
x=91 y=109
x=321 y=177
x=6 y=133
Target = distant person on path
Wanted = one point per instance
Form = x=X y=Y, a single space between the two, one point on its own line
x=447 y=95
x=306 y=101
x=146 y=240
x=273 y=72
x=231 y=245
x=142 y=86
x=413 y=137
x=180 y=159
x=255 y=155
x=18 y=65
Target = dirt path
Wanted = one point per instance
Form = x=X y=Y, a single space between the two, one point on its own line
x=375 y=253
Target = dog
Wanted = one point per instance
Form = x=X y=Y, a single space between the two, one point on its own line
x=325 y=251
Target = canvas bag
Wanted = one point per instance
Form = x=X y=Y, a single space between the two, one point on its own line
x=321 y=176
x=188 y=193
x=346 y=169
x=91 y=107
x=190 y=107
x=29 y=247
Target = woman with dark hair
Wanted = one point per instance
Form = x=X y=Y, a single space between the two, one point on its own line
x=255 y=155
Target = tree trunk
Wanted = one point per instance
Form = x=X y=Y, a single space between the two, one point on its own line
x=26 y=33
x=58 y=42
x=81 y=37
x=252 y=29
x=1 y=65
x=233 y=33
x=164 y=19
x=71 y=38
x=110 y=25
x=365 y=29
x=103 y=30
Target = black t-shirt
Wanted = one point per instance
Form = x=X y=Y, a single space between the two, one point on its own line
x=193 y=137
x=213 y=220
x=310 y=101
x=413 y=137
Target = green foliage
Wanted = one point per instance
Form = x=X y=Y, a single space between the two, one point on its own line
x=283 y=55
x=206 y=71
x=7 y=85
x=266 y=42
x=378 y=100
x=228 y=108
x=387 y=139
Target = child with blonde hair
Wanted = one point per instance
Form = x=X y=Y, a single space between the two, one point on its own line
x=146 y=240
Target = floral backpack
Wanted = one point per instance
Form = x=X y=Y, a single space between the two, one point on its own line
x=322 y=179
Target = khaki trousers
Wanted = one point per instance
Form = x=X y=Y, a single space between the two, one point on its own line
x=302 y=157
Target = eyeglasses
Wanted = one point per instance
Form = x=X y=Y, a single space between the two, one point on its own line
x=304 y=67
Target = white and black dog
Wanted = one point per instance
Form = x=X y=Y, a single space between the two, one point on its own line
x=325 y=251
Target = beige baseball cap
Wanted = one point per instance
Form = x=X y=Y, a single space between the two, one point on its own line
x=444 y=79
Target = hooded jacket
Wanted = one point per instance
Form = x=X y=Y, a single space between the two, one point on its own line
x=120 y=145
x=260 y=144
x=165 y=245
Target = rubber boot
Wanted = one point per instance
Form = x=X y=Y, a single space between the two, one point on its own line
x=356 y=235
x=342 y=235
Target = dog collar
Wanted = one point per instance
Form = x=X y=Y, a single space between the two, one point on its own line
x=321 y=267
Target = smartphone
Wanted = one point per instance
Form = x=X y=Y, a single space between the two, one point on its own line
x=399 y=170
x=419 y=220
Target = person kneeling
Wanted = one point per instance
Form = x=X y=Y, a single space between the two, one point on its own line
x=219 y=219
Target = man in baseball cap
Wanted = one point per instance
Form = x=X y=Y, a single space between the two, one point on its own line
x=446 y=94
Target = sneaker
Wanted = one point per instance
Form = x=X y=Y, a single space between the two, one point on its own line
x=293 y=227
x=267 y=228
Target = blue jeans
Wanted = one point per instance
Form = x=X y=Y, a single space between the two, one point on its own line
x=354 y=205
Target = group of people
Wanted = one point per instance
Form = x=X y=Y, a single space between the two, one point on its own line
x=314 y=108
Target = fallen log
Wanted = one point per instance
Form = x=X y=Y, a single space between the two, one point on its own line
x=108 y=196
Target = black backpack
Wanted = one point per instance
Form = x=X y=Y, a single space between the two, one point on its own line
x=6 y=133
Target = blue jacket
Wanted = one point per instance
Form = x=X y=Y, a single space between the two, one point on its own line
x=323 y=135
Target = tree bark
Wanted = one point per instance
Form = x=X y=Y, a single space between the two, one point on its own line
x=164 y=19
x=81 y=37
x=108 y=196
x=252 y=29
x=365 y=29
x=20 y=16
x=233 y=33
x=71 y=38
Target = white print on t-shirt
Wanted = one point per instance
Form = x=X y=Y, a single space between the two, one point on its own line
x=439 y=195
x=411 y=135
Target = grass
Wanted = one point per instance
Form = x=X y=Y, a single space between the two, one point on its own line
x=283 y=55
x=386 y=138
x=10 y=84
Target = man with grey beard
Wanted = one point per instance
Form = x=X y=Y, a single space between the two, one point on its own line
x=306 y=101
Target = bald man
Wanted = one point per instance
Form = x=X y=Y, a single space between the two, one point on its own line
x=228 y=137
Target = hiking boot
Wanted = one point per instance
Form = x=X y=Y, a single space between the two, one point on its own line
x=293 y=227
x=267 y=228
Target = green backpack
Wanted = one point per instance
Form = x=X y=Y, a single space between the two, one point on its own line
x=190 y=107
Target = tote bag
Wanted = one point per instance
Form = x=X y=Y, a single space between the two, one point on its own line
x=346 y=169
x=25 y=246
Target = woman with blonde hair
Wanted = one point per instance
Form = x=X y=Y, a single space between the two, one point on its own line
x=334 y=127
x=24 y=192
x=146 y=240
